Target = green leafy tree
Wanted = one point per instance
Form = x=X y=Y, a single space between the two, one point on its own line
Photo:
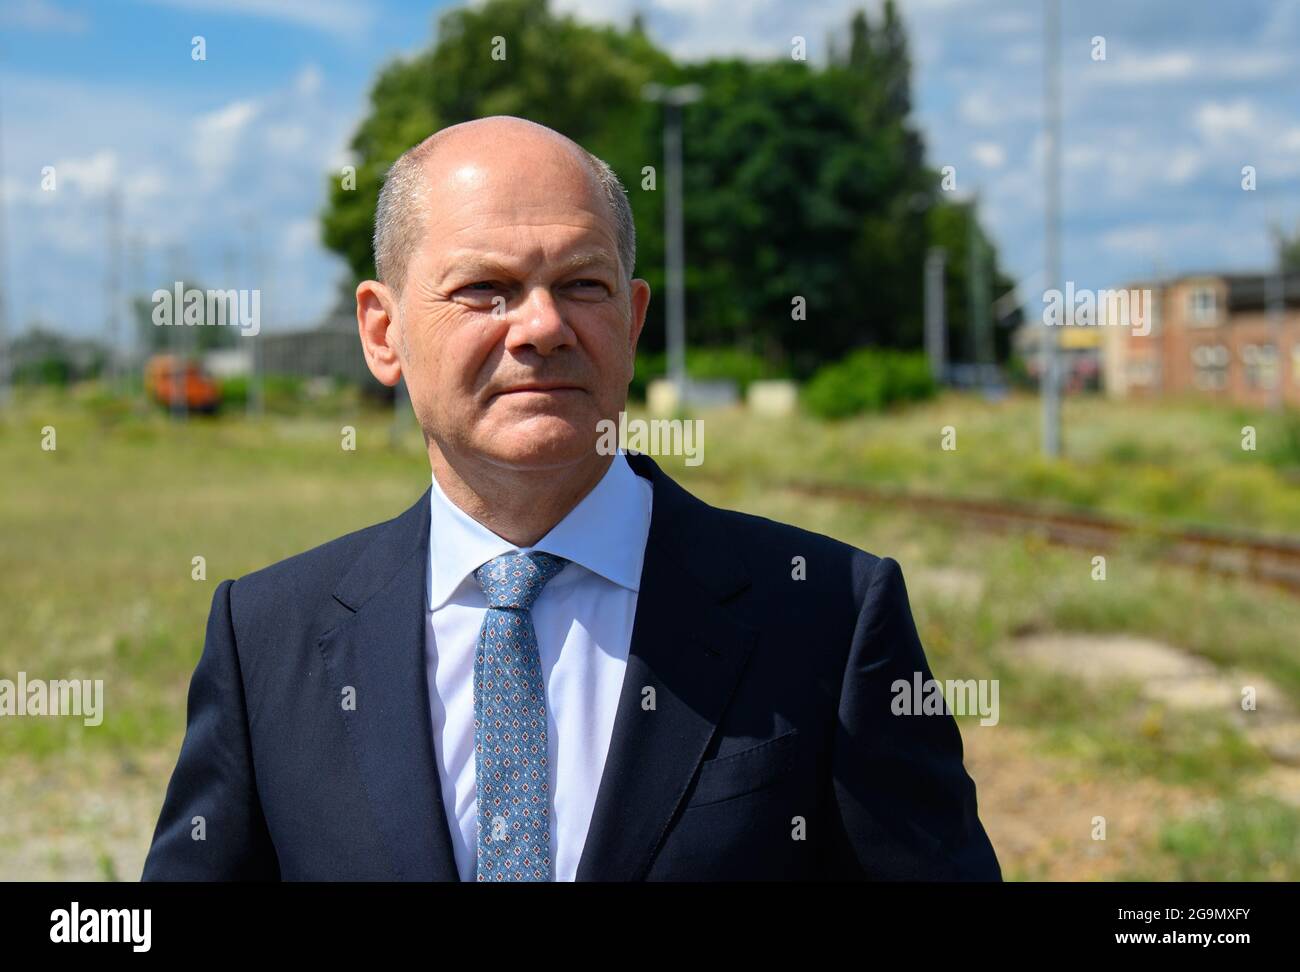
x=800 y=181
x=949 y=227
x=581 y=80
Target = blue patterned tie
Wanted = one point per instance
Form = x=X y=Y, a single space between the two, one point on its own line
x=514 y=833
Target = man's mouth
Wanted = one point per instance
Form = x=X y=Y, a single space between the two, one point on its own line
x=541 y=388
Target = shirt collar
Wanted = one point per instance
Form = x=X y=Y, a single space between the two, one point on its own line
x=605 y=533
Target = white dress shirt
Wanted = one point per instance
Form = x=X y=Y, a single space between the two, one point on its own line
x=583 y=620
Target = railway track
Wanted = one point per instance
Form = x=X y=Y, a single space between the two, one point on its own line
x=1269 y=560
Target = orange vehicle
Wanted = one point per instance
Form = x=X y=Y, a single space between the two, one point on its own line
x=170 y=380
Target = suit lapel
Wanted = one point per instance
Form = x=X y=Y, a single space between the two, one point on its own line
x=379 y=651
x=691 y=651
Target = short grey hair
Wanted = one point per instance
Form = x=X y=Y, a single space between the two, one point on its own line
x=401 y=210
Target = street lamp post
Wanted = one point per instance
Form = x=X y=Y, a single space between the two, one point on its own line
x=674 y=247
x=1050 y=371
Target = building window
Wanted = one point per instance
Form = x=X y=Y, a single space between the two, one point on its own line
x=1211 y=364
x=1203 y=306
x=1261 y=363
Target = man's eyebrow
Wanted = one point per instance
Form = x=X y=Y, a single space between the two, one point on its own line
x=476 y=264
x=588 y=258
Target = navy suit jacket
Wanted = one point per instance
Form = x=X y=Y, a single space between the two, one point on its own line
x=770 y=751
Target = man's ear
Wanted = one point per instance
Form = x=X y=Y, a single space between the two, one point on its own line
x=640 y=297
x=377 y=321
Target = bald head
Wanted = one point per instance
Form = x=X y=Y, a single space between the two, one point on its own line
x=454 y=154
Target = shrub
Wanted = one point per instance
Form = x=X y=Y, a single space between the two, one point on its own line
x=234 y=391
x=868 y=380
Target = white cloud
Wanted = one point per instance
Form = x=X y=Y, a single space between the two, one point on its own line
x=991 y=155
x=300 y=235
x=1013 y=22
x=1185 y=164
x=1203 y=65
x=143 y=185
x=217 y=138
x=92 y=175
x=977 y=108
x=1221 y=121
x=991 y=107
x=285 y=138
x=41 y=15
x=68 y=230
x=696 y=29
x=1131 y=69
x=1139 y=240
x=308 y=81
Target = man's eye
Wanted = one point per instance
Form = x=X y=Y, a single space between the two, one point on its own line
x=587 y=285
x=479 y=292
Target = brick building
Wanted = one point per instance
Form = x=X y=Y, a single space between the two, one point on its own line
x=1214 y=335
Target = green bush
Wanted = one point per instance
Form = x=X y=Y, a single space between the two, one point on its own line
x=1283 y=449
x=49 y=370
x=281 y=394
x=733 y=364
x=868 y=380
x=234 y=391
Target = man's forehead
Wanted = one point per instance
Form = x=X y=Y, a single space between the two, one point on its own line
x=568 y=258
x=482 y=220
x=470 y=195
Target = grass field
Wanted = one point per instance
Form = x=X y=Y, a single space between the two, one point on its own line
x=1178 y=463
x=99 y=535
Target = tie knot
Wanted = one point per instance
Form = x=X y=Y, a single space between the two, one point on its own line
x=515 y=580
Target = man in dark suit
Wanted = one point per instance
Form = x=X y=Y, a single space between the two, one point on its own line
x=557 y=664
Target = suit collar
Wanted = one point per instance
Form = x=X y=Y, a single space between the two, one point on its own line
x=395 y=541
x=605 y=533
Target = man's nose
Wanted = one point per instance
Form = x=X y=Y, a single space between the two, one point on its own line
x=539 y=323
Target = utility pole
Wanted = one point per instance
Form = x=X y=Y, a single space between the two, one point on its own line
x=935 y=317
x=113 y=284
x=1050 y=377
x=254 y=400
x=1276 y=318
x=977 y=285
x=180 y=405
x=5 y=358
x=138 y=281
x=674 y=248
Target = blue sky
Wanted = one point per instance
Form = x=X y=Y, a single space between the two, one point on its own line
x=222 y=160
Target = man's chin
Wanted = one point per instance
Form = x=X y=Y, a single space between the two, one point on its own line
x=541 y=442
